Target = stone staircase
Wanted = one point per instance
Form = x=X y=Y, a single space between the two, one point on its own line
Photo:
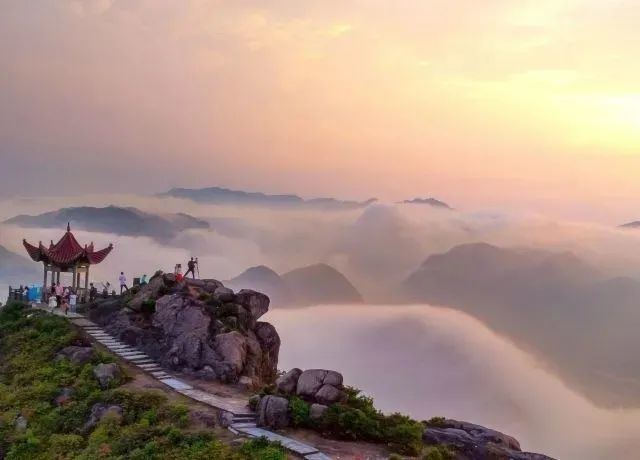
x=243 y=420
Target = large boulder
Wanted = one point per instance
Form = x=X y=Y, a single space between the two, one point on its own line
x=154 y=289
x=273 y=412
x=287 y=383
x=312 y=380
x=78 y=355
x=187 y=330
x=107 y=374
x=328 y=394
x=232 y=349
x=269 y=341
x=256 y=302
x=224 y=295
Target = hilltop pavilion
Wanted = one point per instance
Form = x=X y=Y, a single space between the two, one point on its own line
x=67 y=256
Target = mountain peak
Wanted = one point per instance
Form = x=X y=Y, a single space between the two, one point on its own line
x=428 y=201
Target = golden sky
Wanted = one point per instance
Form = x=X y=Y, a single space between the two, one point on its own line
x=517 y=103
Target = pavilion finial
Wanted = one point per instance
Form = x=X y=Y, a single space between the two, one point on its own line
x=68 y=226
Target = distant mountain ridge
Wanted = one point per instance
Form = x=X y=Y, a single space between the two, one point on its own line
x=634 y=224
x=310 y=285
x=553 y=303
x=219 y=195
x=127 y=221
x=428 y=201
x=16 y=269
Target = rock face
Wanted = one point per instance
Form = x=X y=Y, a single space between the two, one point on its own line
x=475 y=442
x=287 y=383
x=273 y=412
x=199 y=327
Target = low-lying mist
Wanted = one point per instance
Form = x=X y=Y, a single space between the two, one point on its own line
x=428 y=361
x=420 y=360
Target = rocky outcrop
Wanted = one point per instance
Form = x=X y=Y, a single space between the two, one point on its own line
x=321 y=386
x=287 y=383
x=199 y=327
x=475 y=442
x=273 y=412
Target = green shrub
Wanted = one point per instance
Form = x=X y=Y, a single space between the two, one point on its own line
x=357 y=419
x=299 y=411
x=438 y=453
x=436 y=422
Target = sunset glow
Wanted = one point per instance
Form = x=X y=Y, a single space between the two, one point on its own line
x=517 y=100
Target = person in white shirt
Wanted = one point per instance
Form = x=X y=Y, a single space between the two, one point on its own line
x=123 y=282
x=73 y=299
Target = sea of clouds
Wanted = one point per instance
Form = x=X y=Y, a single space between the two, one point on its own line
x=431 y=361
x=422 y=360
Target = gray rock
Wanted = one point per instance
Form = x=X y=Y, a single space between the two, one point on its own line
x=187 y=329
x=232 y=348
x=78 y=355
x=254 y=401
x=475 y=442
x=273 y=412
x=287 y=383
x=100 y=411
x=482 y=433
x=107 y=374
x=317 y=411
x=150 y=291
x=20 y=423
x=224 y=295
x=269 y=340
x=328 y=394
x=225 y=419
x=312 y=380
x=196 y=334
x=256 y=302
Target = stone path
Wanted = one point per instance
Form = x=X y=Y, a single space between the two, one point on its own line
x=243 y=421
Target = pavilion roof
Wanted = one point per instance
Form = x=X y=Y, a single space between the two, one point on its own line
x=67 y=252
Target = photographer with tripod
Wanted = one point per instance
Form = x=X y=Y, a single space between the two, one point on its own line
x=192 y=266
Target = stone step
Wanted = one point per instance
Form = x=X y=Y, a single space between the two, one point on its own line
x=149 y=366
x=176 y=384
x=244 y=418
x=239 y=426
x=317 y=456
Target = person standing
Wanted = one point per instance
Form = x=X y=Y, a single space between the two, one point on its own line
x=191 y=268
x=73 y=299
x=123 y=282
x=59 y=294
x=93 y=292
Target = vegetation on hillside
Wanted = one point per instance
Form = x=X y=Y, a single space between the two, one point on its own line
x=357 y=419
x=34 y=426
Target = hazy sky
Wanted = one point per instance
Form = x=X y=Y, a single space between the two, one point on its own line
x=528 y=103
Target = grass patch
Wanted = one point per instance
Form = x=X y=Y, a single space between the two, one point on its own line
x=150 y=428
